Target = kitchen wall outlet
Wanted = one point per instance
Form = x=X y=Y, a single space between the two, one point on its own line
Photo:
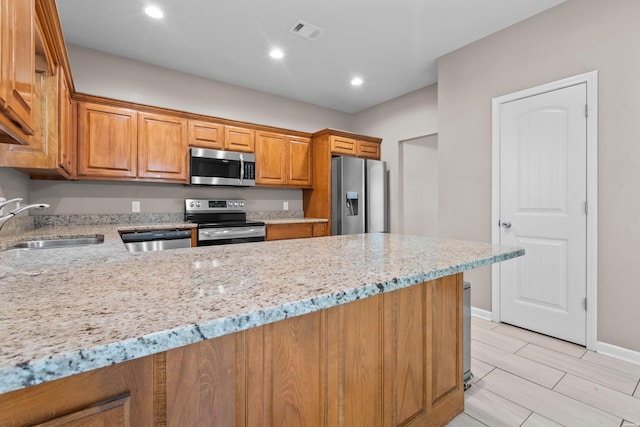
x=135 y=206
x=285 y=206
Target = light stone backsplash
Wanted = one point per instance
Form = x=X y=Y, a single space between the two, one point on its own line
x=38 y=221
x=18 y=225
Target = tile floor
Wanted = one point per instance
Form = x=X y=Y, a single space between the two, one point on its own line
x=525 y=379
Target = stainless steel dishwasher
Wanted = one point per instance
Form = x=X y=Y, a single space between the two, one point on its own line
x=156 y=240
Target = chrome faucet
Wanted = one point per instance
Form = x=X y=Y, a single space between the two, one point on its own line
x=17 y=210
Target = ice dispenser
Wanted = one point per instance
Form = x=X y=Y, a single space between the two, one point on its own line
x=352 y=203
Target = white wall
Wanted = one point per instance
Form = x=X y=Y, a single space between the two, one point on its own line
x=14 y=184
x=99 y=73
x=102 y=74
x=418 y=187
x=404 y=118
x=570 y=39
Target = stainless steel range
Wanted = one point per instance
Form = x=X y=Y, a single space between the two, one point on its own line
x=222 y=222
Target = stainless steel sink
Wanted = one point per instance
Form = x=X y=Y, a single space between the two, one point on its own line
x=58 y=243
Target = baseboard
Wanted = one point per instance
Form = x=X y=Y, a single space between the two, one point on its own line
x=601 y=347
x=482 y=314
x=618 y=352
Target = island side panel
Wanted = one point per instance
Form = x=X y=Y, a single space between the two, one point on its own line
x=205 y=383
x=445 y=390
x=285 y=366
x=354 y=363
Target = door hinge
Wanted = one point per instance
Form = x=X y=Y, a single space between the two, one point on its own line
x=586 y=208
x=586 y=110
x=584 y=304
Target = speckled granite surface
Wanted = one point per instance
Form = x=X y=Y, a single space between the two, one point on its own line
x=66 y=311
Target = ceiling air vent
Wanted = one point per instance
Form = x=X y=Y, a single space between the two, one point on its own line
x=306 y=30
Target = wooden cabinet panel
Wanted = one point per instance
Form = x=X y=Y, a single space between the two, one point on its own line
x=239 y=139
x=444 y=338
x=299 y=162
x=288 y=231
x=206 y=135
x=205 y=383
x=343 y=145
x=271 y=158
x=354 y=371
x=369 y=150
x=319 y=229
x=162 y=148
x=125 y=389
x=285 y=368
x=18 y=62
x=114 y=412
x=107 y=141
x=66 y=143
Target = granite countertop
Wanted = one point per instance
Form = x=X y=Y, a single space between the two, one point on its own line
x=71 y=310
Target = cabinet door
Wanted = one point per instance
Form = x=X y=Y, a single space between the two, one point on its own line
x=123 y=392
x=271 y=159
x=299 y=162
x=107 y=141
x=162 y=147
x=18 y=61
x=206 y=135
x=239 y=139
x=342 y=145
x=369 y=150
x=66 y=145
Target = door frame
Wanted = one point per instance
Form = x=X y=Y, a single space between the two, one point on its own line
x=591 y=80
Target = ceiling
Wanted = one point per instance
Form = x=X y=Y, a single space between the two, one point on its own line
x=392 y=45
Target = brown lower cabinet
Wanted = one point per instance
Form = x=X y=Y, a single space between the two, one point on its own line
x=390 y=360
x=296 y=230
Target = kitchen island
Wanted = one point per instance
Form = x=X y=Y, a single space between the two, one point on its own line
x=345 y=330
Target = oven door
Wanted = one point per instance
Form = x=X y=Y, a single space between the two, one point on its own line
x=215 y=167
x=229 y=235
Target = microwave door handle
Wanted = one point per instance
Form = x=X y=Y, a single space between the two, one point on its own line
x=241 y=168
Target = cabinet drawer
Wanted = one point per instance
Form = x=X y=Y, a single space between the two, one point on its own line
x=342 y=145
x=320 y=229
x=288 y=231
x=206 y=135
x=239 y=139
x=369 y=150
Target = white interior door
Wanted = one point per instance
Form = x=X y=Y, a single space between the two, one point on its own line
x=543 y=191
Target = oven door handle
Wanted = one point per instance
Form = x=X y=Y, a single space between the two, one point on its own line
x=227 y=233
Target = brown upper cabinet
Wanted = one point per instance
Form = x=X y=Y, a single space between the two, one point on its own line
x=121 y=143
x=17 y=74
x=326 y=144
x=283 y=160
x=239 y=139
x=352 y=146
x=343 y=145
x=107 y=142
x=206 y=135
x=162 y=148
x=51 y=146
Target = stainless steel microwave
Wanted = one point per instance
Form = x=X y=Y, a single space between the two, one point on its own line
x=217 y=167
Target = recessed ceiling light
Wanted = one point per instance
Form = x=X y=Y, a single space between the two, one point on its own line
x=276 y=54
x=153 y=12
x=357 y=81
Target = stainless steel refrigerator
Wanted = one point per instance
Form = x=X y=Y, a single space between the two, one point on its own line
x=359 y=194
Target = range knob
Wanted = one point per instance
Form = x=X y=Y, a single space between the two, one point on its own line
x=198 y=204
x=235 y=204
x=241 y=204
x=192 y=204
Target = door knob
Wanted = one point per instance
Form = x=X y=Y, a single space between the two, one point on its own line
x=505 y=224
